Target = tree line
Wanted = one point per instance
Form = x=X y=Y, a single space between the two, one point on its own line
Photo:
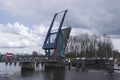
x=86 y=45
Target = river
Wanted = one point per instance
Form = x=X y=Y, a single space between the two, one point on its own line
x=12 y=72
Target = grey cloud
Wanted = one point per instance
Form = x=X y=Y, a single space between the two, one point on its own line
x=101 y=15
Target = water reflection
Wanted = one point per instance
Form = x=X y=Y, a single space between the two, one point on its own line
x=49 y=74
x=15 y=73
x=54 y=74
x=27 y=73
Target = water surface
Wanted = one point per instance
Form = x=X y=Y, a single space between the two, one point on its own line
x=12 y=72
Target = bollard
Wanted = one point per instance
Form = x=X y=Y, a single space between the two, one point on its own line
x=83 y=64
x=10 y=63
x=19 y=63
x=6 y=63
x=69 y=67
x=15 y=63
x=77 y=64
x=37 y=64
x=42 y=64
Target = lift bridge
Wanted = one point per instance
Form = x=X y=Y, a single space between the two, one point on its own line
x=55 y=43
x=54 y=46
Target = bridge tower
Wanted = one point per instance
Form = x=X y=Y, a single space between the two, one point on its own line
x=55 y=47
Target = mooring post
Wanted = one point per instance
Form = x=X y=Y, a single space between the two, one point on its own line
x=42 y=63
x=6 y=63
x=77 y=63
x=69 y=65
x=20 y=63
x=15 y=63
x=10 y=63
x=83 y=64
x=37 y=64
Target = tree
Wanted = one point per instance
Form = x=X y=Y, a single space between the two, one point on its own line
x=85 y=45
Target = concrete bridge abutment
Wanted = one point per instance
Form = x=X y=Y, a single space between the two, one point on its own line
x=28 y=66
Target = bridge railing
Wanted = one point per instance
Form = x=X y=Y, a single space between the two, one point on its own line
x=24 y=59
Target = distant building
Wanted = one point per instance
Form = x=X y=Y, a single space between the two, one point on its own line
x=9 y=55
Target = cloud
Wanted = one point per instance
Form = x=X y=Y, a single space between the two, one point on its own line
x=82 y=13
x=116 y=44
x=96 y=16
x=19 y=36
x=77 y=31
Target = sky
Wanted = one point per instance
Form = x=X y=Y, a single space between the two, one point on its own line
x=24 y=23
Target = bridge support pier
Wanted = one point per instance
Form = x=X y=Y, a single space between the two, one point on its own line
x=28 y=65
x=69 y=65
x=110 y=66
x=83 y=64
x=6 y=63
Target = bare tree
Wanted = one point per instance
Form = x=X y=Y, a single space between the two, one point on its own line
x=85 y=45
